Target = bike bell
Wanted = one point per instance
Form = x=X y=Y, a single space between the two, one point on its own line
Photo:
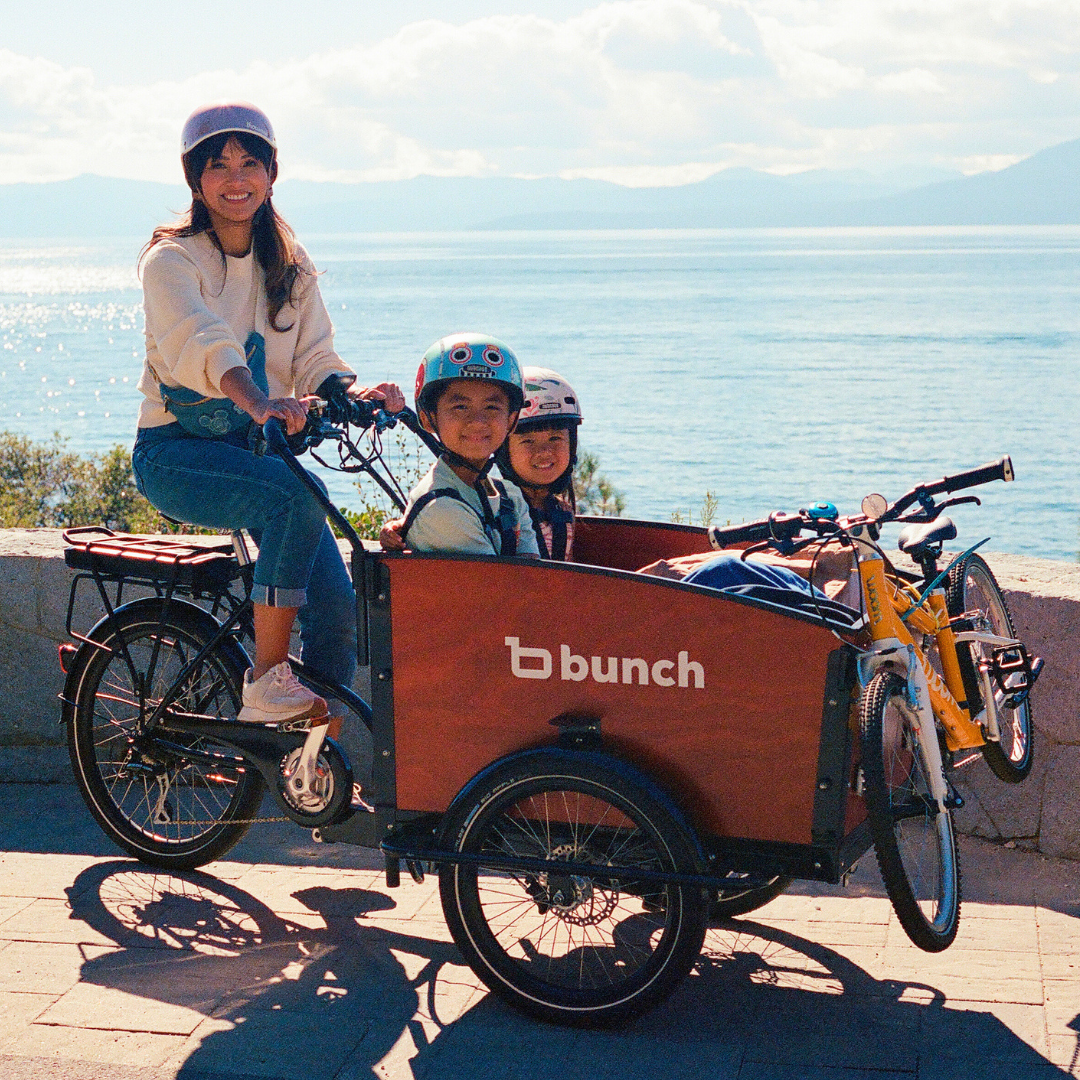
x=823 y=511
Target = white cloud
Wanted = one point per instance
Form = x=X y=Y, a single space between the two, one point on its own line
x=638 y=91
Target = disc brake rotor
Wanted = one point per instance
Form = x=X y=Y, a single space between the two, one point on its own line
x=574 y=898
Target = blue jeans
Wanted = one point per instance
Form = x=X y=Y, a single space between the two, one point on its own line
x=729 y=571
x=221 y=484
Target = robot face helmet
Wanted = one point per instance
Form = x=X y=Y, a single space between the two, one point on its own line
x=468 y=356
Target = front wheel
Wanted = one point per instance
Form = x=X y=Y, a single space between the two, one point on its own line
x=973 y=589
x=174 y=803
x=572 y=948
x=913 y=839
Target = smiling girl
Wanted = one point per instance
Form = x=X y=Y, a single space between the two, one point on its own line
x=540 y=456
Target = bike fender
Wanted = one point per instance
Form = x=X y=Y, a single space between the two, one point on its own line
x=546 y=756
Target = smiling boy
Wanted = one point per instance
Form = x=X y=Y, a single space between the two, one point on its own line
x=468 y=394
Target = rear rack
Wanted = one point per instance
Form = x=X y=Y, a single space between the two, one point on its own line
x=166 y=565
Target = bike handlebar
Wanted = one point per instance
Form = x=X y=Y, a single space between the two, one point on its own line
x=1002 y=469
x=775 y=527
x=784 y=527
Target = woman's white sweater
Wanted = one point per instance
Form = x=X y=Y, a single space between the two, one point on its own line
x=199 y=311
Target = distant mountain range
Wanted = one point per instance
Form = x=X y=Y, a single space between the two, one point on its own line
x=1041 y=190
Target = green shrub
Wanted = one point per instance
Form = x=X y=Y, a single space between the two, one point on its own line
x=45 y=485
x=706 y=515
x=596 y=494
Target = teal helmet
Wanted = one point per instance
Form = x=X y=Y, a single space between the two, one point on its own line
x=468 y=356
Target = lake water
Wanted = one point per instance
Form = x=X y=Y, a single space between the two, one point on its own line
x=772 y=367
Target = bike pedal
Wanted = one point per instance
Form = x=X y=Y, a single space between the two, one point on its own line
x=301 y=725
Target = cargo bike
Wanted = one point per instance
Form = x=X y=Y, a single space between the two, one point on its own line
x=596 y=761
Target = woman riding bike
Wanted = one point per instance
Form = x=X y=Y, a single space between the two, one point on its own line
x=237 y=332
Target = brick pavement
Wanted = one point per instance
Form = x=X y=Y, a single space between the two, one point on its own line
x=293 y=960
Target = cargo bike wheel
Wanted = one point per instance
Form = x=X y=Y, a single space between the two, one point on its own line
x=175 y=801
x=915 y=843
x=972 y=588
x=570 y=947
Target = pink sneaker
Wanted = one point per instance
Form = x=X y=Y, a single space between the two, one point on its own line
x=278 y=696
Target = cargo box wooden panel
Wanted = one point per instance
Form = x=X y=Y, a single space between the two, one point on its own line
x=719 y=700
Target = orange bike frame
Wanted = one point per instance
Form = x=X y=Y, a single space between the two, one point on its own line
x=893 y=638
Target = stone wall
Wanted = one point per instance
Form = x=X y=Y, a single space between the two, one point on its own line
x=1042 y=814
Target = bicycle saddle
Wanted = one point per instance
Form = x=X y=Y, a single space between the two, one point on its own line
x=914 y=539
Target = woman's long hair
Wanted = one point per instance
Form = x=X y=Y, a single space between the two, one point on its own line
x=272 y=240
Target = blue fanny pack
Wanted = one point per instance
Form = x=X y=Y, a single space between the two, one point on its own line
x=210 y=417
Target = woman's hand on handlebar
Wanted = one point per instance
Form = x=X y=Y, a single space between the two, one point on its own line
x=238 y=385
x=292 y=413
x=389 y=395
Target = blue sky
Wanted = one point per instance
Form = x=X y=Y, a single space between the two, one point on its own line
x=635 y=91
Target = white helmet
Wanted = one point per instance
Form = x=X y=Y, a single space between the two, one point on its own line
x=548 y=397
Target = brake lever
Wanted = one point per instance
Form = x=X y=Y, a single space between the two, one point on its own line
x=962 y=499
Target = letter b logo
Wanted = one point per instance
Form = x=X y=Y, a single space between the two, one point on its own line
x=574 y=668
x=519 y=653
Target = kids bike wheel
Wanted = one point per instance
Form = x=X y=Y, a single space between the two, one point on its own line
x=177 y=802
x=569 y=947
x=914 y=841
x=972 y=588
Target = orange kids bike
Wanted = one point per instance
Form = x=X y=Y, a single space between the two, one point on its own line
x=942 y=674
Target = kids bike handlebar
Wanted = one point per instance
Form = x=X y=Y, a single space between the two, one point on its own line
x=776 y=526
x=1002 y=469
x=781 y=527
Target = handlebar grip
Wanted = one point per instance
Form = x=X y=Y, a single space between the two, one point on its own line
x=1002 y=469
x=775 y=527
x=729 y=535
x=274 y=434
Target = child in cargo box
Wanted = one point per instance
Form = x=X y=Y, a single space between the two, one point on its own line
x=469 y=395
x=538 y=458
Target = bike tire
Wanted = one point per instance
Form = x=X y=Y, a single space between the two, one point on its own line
x=573 y=950
x=167 y=811
x=730 y=903
x=973 y=587
x=914 y=843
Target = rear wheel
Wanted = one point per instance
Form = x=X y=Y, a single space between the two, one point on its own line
x=177 y=806
x=573 y=948
x=972 y=588
x=914 y=841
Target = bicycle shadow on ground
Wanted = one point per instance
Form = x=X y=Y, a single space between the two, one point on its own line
x=52 y=819
x=341 y=995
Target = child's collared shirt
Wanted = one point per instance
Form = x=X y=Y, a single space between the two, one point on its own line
x=457 y=525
